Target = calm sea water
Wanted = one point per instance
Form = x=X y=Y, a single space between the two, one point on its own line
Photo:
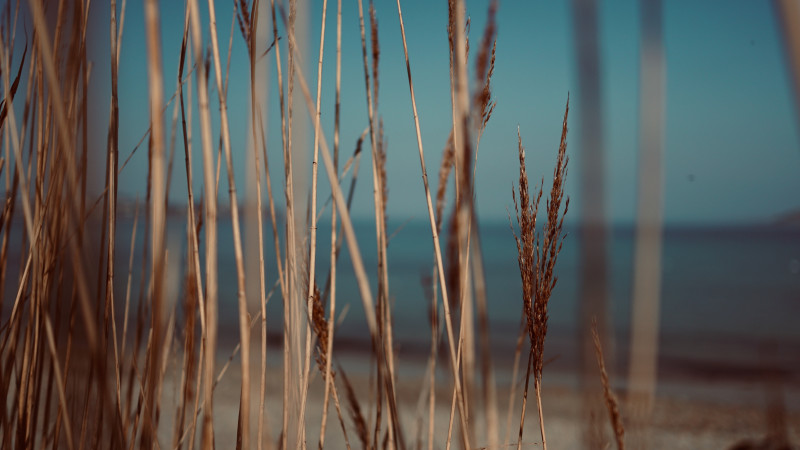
x=742 y=282
x=723 y=289
x=728 y=295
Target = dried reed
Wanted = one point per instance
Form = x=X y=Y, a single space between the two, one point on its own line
x=334 y=241
x=312 y=291
x=611 y=400
x=538 y=251
x=210 y=222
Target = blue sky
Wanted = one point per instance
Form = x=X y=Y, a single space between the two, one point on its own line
x=731 y=149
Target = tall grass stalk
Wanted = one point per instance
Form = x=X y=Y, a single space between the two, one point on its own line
x=249 y=24
x=193 y=235
x=289 y=274
x=538 y=250
x=434 y=229
x=312 y=259
x=334 y=243
x=210 y=223
x=461 y=150
x=611 y=400
x=157 y=216
x=483 y=106
x=646 y=289
x=379 y=197
x=243 y=435
x=111 y=174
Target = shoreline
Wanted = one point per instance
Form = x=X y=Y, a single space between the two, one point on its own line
x=689 y=411
x=747 y=364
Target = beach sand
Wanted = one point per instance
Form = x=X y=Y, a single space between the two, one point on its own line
x=689 y=412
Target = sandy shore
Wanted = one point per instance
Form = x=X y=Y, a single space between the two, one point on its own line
x=689 y=413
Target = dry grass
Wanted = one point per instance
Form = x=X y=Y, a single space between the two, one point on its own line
x=139 y=352
x=538 y=250
x=612 y=404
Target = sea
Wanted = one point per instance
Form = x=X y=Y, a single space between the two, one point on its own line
x=729 y=298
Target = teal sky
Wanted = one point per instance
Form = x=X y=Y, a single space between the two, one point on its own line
x=731 y=149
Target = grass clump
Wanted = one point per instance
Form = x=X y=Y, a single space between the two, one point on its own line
x=72 y=381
